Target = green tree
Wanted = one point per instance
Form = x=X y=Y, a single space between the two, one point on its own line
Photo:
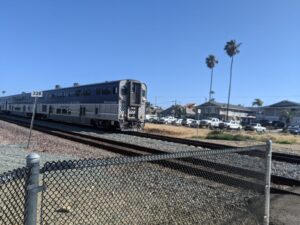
x=257 y=102
x=231 y=48
x=211 y=61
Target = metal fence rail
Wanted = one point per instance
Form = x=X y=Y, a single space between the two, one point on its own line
x=195 y=187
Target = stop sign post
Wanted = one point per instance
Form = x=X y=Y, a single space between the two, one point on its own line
x=35 y=95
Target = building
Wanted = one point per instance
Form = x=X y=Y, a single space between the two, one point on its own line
x=180 y=111
x=275 y=112
x=219 y=110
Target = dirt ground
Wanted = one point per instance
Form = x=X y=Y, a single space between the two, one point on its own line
x=186 y=132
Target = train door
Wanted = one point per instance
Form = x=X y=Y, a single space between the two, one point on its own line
x=135 y=94
x=82 y=114
x=134 y=100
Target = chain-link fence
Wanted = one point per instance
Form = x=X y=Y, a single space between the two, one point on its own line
x=200 y=187
x=195 y=187
x=12 y=196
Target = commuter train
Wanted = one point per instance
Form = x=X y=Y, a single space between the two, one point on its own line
x=114 y=105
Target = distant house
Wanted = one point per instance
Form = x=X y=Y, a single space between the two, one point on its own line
x=174 y=110
x=219 y=110
x=190 y=110
x=275 y=111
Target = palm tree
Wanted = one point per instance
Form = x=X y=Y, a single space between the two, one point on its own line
x=257 y=102
x=211 y=61
x=231 y=48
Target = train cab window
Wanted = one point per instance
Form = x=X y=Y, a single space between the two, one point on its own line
x=96 y=111
x=143 y=93
x=133 y=88
x=58 y=111
x=124 y=90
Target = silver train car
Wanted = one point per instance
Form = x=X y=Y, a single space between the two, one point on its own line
x=114 y=105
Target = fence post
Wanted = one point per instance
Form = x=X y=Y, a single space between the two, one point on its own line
x=32 y=186
x=268 y=181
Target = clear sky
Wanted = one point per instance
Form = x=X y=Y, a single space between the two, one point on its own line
x=161 y=42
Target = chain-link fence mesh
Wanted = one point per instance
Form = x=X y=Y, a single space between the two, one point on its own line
x=12 y=196
x=199 y=187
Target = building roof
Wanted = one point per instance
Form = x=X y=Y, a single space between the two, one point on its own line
x=284 y=104
x=224 y=106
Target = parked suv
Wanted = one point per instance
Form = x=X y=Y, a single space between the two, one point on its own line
x=232 y=125
x=255 y=127
x=210 y=122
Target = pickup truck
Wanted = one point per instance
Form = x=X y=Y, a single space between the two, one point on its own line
x=255 y=127
x=232 y=125
x=210 y=122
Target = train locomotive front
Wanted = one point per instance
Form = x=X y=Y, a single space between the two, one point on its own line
x=132 y=104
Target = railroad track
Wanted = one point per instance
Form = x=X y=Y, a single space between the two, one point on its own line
x=282 y=157
x=192 y=166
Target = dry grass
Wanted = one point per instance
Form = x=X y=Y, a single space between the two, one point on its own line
x=282 y=142
x=175 y=131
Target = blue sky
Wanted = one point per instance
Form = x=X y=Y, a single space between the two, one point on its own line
x=161 y=42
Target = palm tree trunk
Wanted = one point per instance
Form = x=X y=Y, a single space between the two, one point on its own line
x=229 y=91
x=211 y=80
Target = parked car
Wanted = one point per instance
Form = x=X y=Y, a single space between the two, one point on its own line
x=151 y=118
x=187 y=122
x=255 y=127
x=210 y=122
x=170 y=120
x=178 y=122
x=195 y=123
x=232 y=125
x=294 y=129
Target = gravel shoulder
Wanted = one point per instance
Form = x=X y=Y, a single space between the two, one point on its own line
x=13 y=140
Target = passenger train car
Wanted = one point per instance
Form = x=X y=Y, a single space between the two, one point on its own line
x=117 y=104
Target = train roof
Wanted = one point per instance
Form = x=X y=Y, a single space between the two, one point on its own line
x=65 y=88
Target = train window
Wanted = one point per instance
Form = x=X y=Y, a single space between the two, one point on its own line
x=50 y=109
x=96 y=111
x=64 y=111
x=115 y=90
x=143 y=93
x=124 y=90
x=106 y=91
x=44 y=108
x=77 y=92
x=58 y=111
x=98 y=91
x=86 y=93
